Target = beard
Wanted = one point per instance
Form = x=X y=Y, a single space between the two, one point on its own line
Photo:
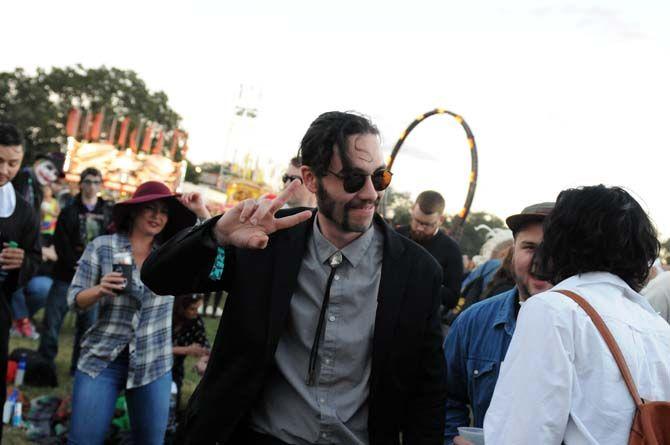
x=419 y=237
x=327 y=206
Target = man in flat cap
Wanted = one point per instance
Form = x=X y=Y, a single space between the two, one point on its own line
x=478 y=340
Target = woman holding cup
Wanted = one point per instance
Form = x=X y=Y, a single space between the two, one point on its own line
x=129 y=347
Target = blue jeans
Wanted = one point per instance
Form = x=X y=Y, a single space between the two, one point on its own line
x=26 y=301
x=54 y=312
x=94 y=399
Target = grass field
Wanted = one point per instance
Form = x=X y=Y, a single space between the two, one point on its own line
x=15 y=436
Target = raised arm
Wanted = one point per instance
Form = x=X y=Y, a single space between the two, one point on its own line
x=187 y=263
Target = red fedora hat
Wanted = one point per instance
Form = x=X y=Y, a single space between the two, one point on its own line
x=179 y=217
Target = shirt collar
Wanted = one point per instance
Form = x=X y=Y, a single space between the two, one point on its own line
x=506 y=313
x=585 y=279
x=122 y=241
x=352 y=252
x=7 y=200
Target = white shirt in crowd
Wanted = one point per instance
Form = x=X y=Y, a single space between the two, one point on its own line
x=559 y=382
x=7 y=200
x=657 y=293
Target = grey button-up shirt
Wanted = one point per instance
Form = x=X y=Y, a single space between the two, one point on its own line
x=335 y=410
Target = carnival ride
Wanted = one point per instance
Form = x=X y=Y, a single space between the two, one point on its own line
x=457 y=225
x=125 y=163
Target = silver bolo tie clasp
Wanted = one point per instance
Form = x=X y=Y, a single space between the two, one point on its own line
x=335 y=259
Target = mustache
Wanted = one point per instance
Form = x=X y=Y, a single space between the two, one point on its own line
x=360 y=203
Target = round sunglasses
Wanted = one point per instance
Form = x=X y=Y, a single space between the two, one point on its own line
x=353 y=182
x=288 y=178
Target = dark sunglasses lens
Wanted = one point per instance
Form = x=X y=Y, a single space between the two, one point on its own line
x=353 y=183
x=381 y=180
x=288 y=178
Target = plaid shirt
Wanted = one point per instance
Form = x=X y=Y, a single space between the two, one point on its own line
x=138 y=319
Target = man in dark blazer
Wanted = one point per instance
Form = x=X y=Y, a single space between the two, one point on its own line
x=330 y=333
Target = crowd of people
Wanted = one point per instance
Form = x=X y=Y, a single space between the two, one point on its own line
x=337 y=327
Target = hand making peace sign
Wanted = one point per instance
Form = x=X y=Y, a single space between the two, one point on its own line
x=249 y=224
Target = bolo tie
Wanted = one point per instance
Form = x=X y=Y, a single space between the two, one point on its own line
x=334 y=262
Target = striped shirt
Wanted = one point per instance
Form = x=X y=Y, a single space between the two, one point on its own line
x=137 y=319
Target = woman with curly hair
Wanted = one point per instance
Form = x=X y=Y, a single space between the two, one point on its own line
x=559 y=382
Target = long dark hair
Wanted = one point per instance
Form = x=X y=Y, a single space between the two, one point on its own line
x=125 y=225
x=597 y=229
x=181 y=303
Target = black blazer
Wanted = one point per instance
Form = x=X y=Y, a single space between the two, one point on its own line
x=408 y=376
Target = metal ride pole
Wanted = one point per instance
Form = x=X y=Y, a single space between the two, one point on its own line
x=457 y=226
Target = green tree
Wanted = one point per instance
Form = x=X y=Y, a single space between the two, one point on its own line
x=397 y=206
x=472 y=240
x=38 y=103
x=665 y=251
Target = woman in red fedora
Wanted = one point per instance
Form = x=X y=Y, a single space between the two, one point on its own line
x=129 y=346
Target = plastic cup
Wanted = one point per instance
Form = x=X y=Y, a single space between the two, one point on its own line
x=473 y=435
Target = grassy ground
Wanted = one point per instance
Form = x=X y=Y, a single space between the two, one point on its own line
x=15 y=436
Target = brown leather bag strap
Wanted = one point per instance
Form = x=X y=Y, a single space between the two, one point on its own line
x=611 y=343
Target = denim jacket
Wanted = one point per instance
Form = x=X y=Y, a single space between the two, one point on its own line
x=474 y=349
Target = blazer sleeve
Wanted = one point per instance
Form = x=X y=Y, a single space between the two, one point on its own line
x=183 y=264
x=427 y=404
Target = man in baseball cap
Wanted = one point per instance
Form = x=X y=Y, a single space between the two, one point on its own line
x=478 y=340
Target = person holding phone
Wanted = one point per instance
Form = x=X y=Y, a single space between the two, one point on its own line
x=129 y=346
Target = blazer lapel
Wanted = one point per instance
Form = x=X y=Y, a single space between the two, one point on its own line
x=389 y=299
x=288 y=250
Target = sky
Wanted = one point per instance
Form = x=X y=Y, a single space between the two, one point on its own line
x=558 y=93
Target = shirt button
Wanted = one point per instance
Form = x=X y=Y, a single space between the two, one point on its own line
x=322 y=400
x=331 y=318
x=327 y=361
x=337 y=278
x=476 y=372
x=324 y=434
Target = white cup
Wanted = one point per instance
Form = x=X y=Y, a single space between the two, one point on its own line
x=474 y=435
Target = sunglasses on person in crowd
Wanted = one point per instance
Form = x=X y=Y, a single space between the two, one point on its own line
x=353 y=182
x=91 y=181
x=288 y=178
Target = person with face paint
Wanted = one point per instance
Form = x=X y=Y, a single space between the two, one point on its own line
x=20 y=251
x=478 y=340
x=331 y=330
x=30 y=181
